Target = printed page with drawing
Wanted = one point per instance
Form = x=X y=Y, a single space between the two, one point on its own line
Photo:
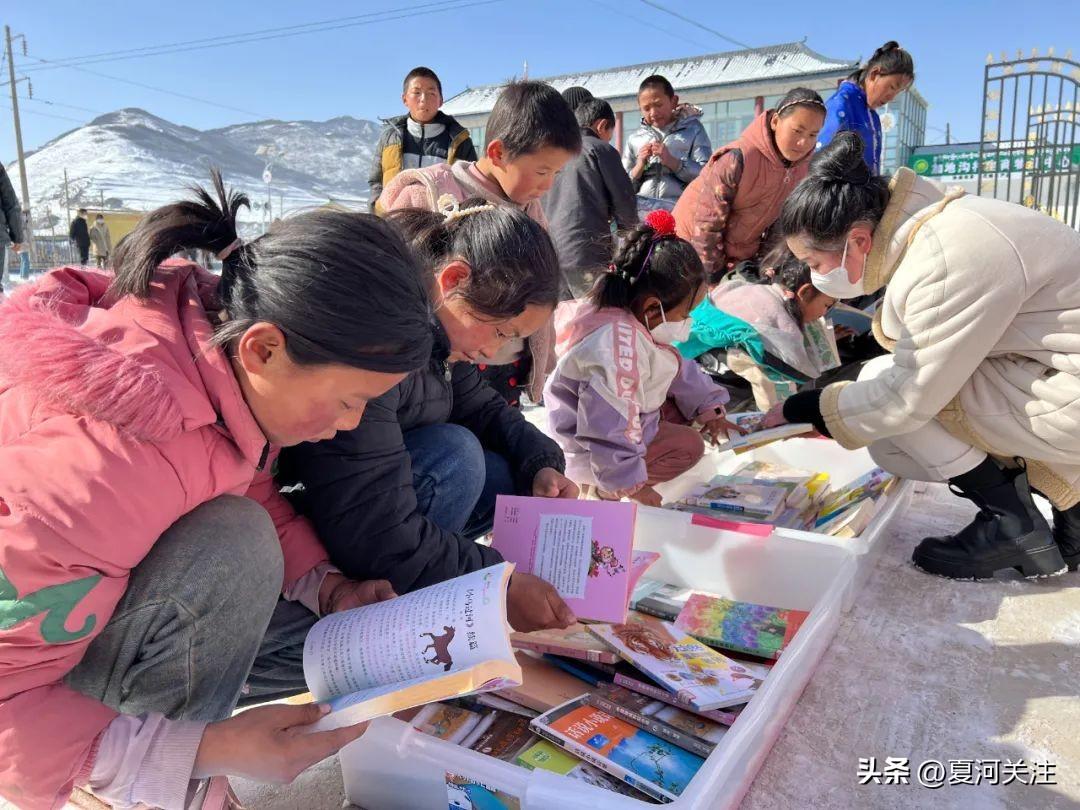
x=585 y=549
x=445 y=640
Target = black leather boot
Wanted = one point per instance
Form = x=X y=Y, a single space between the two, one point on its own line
x=1008 y=532
x=1067 y=535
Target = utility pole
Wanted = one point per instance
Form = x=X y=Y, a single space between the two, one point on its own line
x=101 y=192
x=18 y=129
x=67 y=199
x=948 y=133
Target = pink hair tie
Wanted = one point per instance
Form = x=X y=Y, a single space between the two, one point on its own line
x=224 y=253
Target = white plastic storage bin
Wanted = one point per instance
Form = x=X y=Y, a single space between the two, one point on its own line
x=393 y=767
x=818 y=455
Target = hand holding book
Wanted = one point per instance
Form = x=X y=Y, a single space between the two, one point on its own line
x=534 y=604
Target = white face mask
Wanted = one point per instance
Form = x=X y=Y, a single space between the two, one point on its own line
x=836 y=284
x=668 y=332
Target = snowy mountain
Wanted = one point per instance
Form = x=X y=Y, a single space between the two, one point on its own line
x=131 y=159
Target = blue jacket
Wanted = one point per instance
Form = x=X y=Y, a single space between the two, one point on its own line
x=847 y=110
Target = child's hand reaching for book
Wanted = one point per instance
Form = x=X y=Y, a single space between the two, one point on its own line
x=534 y=604
x=550 y=483
x=340 y=593
x=718 y=427
x=269 y=743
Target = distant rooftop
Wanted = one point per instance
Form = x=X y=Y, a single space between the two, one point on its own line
x=788 y=60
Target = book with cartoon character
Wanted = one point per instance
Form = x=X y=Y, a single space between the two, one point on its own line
x=703 y=678
x=584 y=548
x=443 y=641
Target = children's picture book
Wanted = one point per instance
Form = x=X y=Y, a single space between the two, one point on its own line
x=585 y=549
x=504 y=737
x=631 y=679
x=857 y=320
x=689 y=731
x=682 y=665
x=871 y=485
x=463 y=793
x=819 y=339
x=445 y=721
x=748 y=498
x=547 y=756
x=810 y=487
x=436 y=643
x=742 y=627
x=642 y=760
x=756 y=435
x=850 y=521
x=573 y=642
x=543 y=685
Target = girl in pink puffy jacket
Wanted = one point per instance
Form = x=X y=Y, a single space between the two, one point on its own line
x=151 y=576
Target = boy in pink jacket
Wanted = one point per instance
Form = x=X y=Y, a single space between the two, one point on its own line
x=150 y=574
x=531 y=134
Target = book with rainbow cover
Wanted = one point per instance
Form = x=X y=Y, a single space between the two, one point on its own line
x=704 y=678
x=585 y=549
x=742 y=627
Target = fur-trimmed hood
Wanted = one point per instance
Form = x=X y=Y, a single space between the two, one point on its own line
x=148 y=368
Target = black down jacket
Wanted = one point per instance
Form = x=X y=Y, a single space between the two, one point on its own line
x=358 y=486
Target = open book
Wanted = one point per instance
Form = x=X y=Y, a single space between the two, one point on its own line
x=583 y=548
x=757 y=436
x=440 y=642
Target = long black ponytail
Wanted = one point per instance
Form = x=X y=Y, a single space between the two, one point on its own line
x=343 y=287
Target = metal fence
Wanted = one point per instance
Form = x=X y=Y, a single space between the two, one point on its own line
x=1030 y=147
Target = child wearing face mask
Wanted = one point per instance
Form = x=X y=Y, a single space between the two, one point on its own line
x=737 y=197
x=621 y=397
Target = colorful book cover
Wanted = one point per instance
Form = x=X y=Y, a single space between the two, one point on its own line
x=689 y=731
x=748 y=498
x=871 y=485
x=584 y=548
x=445 y=721
x=743 y=627
x=463 y=793
x=681 y=664
x=756 y=435
x=642 y=760
x=547 y=756
x=633 y=681
x=504 y=737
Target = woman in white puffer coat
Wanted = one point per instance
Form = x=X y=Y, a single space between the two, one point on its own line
x=981 y=314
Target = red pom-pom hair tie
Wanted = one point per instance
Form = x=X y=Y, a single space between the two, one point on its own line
x=662 y=223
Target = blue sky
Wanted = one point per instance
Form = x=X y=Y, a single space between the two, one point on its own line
x=357 y=70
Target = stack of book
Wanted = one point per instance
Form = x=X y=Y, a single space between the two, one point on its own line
x=631 y=700
x=762 y=492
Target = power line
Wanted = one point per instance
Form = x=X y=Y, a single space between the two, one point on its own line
x=156 y=89
x=62 y=104
x=263 y=35
x=697 y=24
x=650 y=25
x=44 y=114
